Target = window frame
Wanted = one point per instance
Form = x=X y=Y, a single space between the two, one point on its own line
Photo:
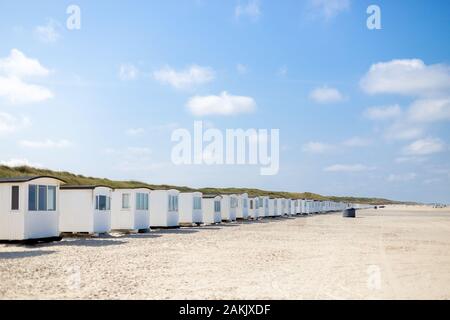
x=128 y=196
x=15 y=187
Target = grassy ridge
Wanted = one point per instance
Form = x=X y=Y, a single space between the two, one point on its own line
x=71 y=178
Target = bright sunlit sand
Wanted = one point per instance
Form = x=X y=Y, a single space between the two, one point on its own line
x=394 y=253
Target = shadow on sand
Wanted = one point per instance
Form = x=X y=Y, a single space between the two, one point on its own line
x=175 y=231
x=24 y=254
x=85 y=242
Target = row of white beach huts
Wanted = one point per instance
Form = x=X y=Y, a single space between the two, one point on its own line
x=45 y=207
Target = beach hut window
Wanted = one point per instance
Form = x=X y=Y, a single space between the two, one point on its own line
x=146 y=196
x=216 y=206
x=141 y=201
x=102 y=203
x=233 y=202
x=125 y=201
x=51 y=198
x=32 y=197
x=173 y=203
x=15 y=198
x=42 y=196
x=251 y=204
x=197 y=203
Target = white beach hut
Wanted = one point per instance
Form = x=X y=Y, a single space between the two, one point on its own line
x=298 y=206
x=190 y=208
x=279 y=209
x=242 y=206
x=293 y=207
x=130 y=209
x=211 y=207
x=287 y=206
x=85 y=209
x=164 y=208
x=273 y=207
x=228 y=207
x=307 y=206
x=264 y=206
x=29 y=208
x=253 y=208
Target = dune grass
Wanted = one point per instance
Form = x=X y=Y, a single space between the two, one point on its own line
x=76 y=179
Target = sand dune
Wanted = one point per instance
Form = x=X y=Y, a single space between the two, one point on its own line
x=394 y=253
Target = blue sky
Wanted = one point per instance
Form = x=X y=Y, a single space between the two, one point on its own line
x=361 y=112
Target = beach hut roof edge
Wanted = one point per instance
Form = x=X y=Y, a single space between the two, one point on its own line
x=83 y=187
x=26 y=179
x=208 y=196
x=133 y=188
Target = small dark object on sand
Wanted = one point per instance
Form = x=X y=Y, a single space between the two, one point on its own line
x=349 y=213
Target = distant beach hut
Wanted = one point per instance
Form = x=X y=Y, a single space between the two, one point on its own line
x=288 y=207
x=228 y=207
x=293 y=207
x=29 y=208
x=298 y=206
x=273 y=207
x=242 y=206
x=164 y=208
x=85 y=209
x=308 y=206
x=279 y=210
x=211 y=207
x=253 y=208
x=130 y=209
x=264 y=206
x=190 y=208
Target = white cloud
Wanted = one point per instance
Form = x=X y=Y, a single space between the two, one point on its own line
x=383 y=112
x=45 y=144
x=415 y=159
x=357 y=142
x=13 y=88
x=429 y=110
x=326 y=95
x=241 y=68
x=165 y=127
x=402 y=130
x=431 y=180
x=128 y=72
x=407 y=77
x=10 y=124
x=192 y=76
x=317 y=147
x=14 y=162
x=424 y=147
x=348 y=168
x=223 y=104
x=401 y=177
x=329 y=8
x=250 y=9
x=19 y=65
x=139 y=151
x=135 y=131
x=49 y=32
x=16 y=91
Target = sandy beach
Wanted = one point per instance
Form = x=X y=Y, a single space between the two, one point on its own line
x=394 y=253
